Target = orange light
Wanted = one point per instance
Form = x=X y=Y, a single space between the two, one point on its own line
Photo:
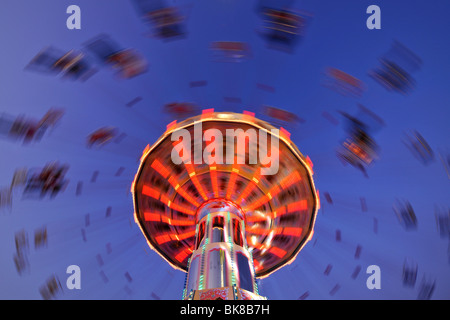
x=188 y=197
x=249 y=116
x=231 y=184
x=160 y=168
x=309 y=163
x=175 y=222
x=207 y=112
x=146 y=190
x=292 y=207
x=182 y=255
x=277 y=251
x=290 y=180
x=165 y=219
x=292 y=231
x=279 y=212
x=171 y=125
x=258 y=266
x=259 y=231
x=255 y=218
x=163 y=238
x=297 y=206
x=259 y=202
x=144 y=153
x=186 y=235
x=165 y=199
x=318 y=199
x=165 y=172
x=183 y=193
x=191 y=171
x=285 y=183
x=180 y=208
x=311 y=235
x=182 y=222
x=285 y=134
x=199 y=187
x=249 y=188
x=215 y=186
x=149 y=216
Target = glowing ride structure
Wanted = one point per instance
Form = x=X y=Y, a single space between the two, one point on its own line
x=225 y=224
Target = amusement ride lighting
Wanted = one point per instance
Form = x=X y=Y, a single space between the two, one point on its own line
x=225 y=224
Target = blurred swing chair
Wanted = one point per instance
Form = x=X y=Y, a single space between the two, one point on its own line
x=28 y=130
x=49 y=180
x=71 y=65
x=230 y=51
x=409 y=275
x=181 y=109
x=396 y=68
x=343 y=83
x=359 y=148
x=283 y=28
x=166 y=21
x=128 y=62
x=405 y=214
x=51 y=289
x=281 y=117
x=419 y=148
x=101 y=136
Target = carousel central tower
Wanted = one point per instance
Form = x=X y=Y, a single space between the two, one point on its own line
x=225 y=224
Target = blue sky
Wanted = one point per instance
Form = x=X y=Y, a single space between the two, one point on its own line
x=337 y=37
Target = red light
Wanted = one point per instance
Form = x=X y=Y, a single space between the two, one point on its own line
x=285 y=183
x=182 y=209
x=186 y=235
x=259 y=231
x=177 y=222
x=257 y=264
x=249 y=188
x=292 y=231
x=191 y=171
x=277 y=251
x=214 y=183
x=149 y=216
x=285 y=134
x=207 y=112
x=182 y=255
x=255 y=218
x=231 y=184
x=187 y=196
x=309 y=162
x=146 y=190
x=171 y=125
x=163 y=238
x=249 y=116
x=297 y=206
x=160 y=168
